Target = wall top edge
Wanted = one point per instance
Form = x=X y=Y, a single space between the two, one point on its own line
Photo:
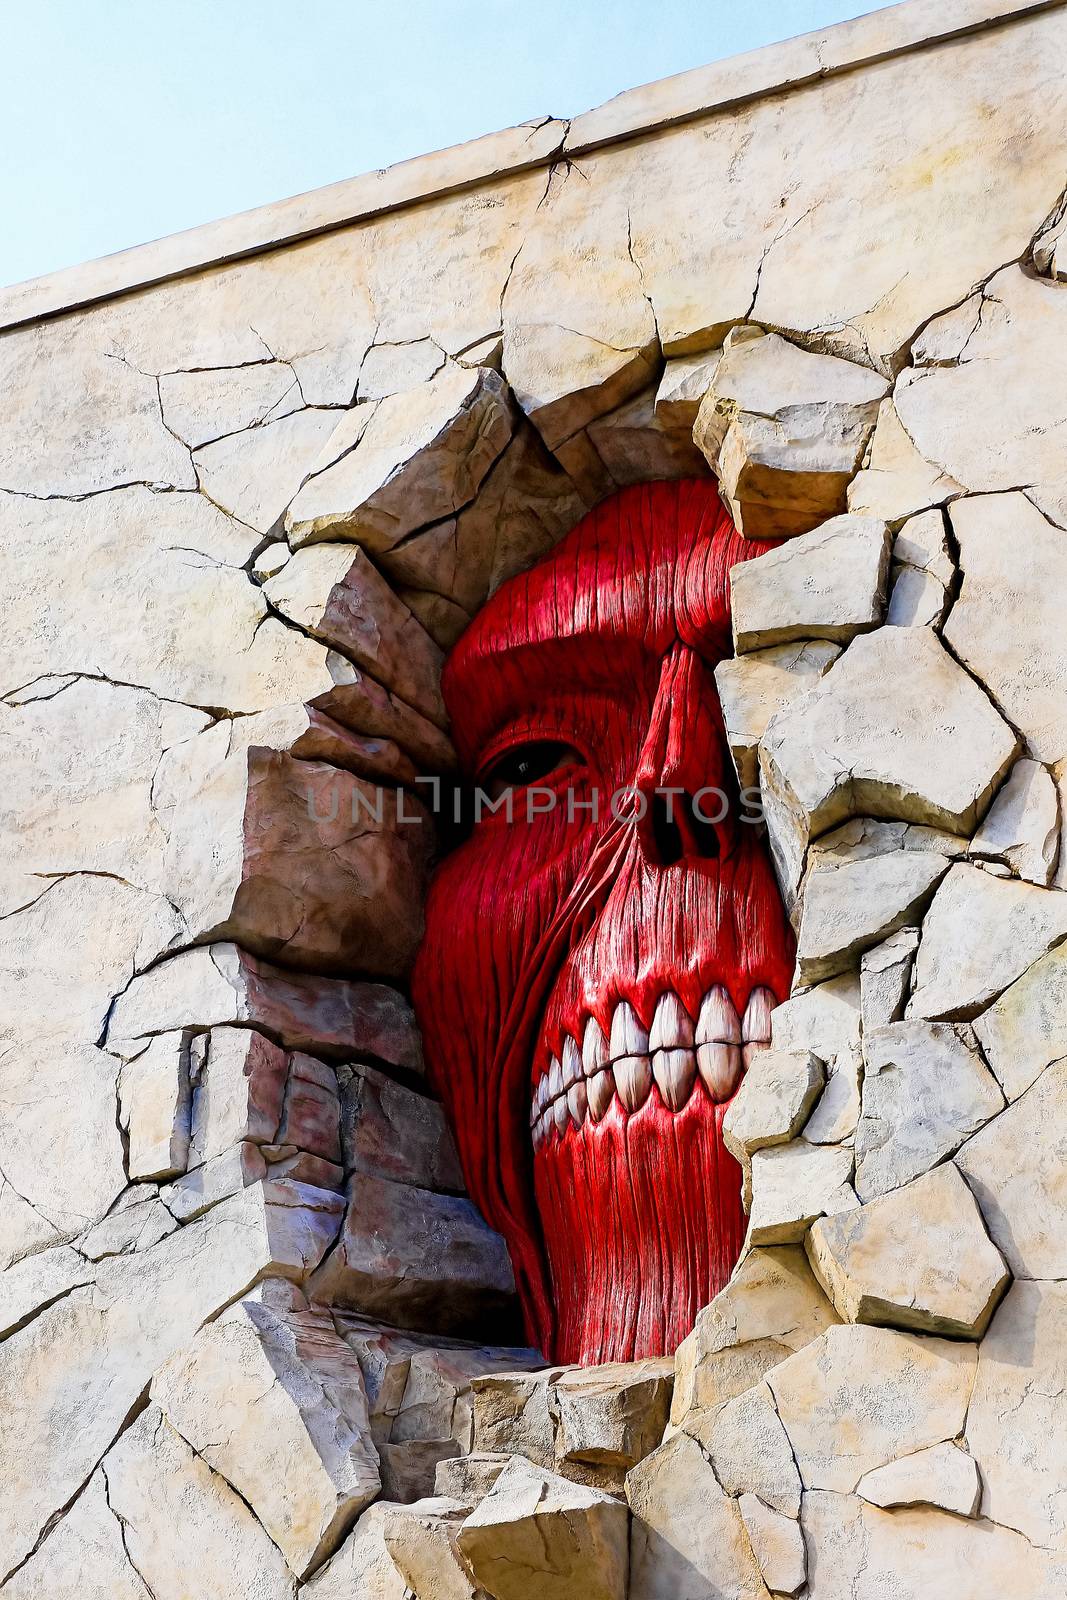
x=669 y=102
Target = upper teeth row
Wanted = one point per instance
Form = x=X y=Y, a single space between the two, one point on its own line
x=583 y=1080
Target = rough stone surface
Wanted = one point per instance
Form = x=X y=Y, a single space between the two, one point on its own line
x=942 y=1475
x=1026 y=1030
x=925 y=1091
x=885 y=979
x=841 y=1425
x=827 y=584
x=863 y=742
x=793 y=1184
x=537 y=1533
x=917 y=1258
x=922 y=571
x=688 y=1536
x=850 y=905
x=752 y=688
x=784 y=430
x=982 y=932
x=749 y=1450
x=1023 y=824
x=771 y=1307
x=773 y=1101
x=777 y=1544
x=1015 y=1167
x=270 y=1398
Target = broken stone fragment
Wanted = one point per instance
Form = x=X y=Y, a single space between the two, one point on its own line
x=918 y=1258
x=837 y=1109
x=777 y=1544
x=921 y=573
x=200 y=406
x=184 y=1528
x=608 y=1418
x=537 y=1536
x=389 y=1131
x=418 y=1260
x=688 y=1537
x=925 y=1091
x=636 y=443
x=942 y=1475
x=785 y=431
x=1016 y=1424
x=1022 y=826
x=752 y=688
x=1050 y=251
x=254 y=474
x=423 y=1540
x=826 y=584
x=513 y=1413
x=849 y=905
x=219 y=984
x=896 y=481
x=1015 y=1168
x=772 y=1104
x=885 y=979
x=419 y=457
x=301 y=863
x=749 y=1450
x=154 y=1108
x=793 y=1184
x=362 y=1566
x=469 y=1478
x=685 y=382
x=841 y=1424
x=980 y=934
x=862 y=742
x=271 y=559
x=273 y=1400
x=336 y=594
x=1026 y=1029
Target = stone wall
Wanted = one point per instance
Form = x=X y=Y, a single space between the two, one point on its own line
x=256 y=1341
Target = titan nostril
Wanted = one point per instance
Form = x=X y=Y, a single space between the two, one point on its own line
x=677 y=828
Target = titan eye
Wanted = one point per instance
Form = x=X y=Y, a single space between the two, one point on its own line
x=529 y=763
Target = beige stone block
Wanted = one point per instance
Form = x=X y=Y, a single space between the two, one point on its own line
x=1022 y=826
x=418 y=459
x=749 y=1449
x=925 y=1091
x=793 y=1184
x=389 y=368
x=863 y=742
x=850 y=905
x=1050 y=250
x=536 y=1534
x=837 y=1110
x=777 y=1544
x=859 y=1552
x=389 y=1131
x=826 y=584
x=918 y=1258
x=612 y=1416
x=184 y=1528
x=885 y=979
x=254 y=474
x=784 y=430
x=1015 y=1168
x=423 y=1540
x=1016 y=1426
x=336 y=594
x=942 y=1475
x=1012 y=333
x=154 y=1107
x=1026 y=1029
x=363 y=1565
x=688 y=1537
x=773 y=1101
x=270 y=1398
x=753 y=687
x=896 y=481
x=84 y=1557
x=771 y=1307
x=208 y=404
x=842 y=1425
x=979 y=935
x=682 y=387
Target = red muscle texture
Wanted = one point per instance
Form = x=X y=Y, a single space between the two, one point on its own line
x=621 y=1222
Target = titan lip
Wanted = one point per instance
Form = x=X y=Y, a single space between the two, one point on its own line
x=717 y=1047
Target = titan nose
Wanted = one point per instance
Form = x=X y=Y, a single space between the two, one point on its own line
x=685 y=778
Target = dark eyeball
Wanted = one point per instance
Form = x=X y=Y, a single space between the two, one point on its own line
x=529 y=763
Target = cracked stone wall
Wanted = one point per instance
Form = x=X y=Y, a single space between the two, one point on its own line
x=256 y=1342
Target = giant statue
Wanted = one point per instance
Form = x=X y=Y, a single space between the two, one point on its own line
x=604 y=947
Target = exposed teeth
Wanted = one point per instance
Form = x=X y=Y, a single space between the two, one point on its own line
x=675 y=1073
x=601 y=1090
x=628 y=1038
x=572 y=1062
x=672 y=1026
x=594 y=1049
x=718 y=1022
x=581 y=1084
x=719 y=1066
x=756 y=1026
x=633 y=1080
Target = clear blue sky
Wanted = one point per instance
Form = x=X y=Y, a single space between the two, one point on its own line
x=122 y=120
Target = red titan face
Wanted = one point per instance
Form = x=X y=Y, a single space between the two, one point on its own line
x=595 y=975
